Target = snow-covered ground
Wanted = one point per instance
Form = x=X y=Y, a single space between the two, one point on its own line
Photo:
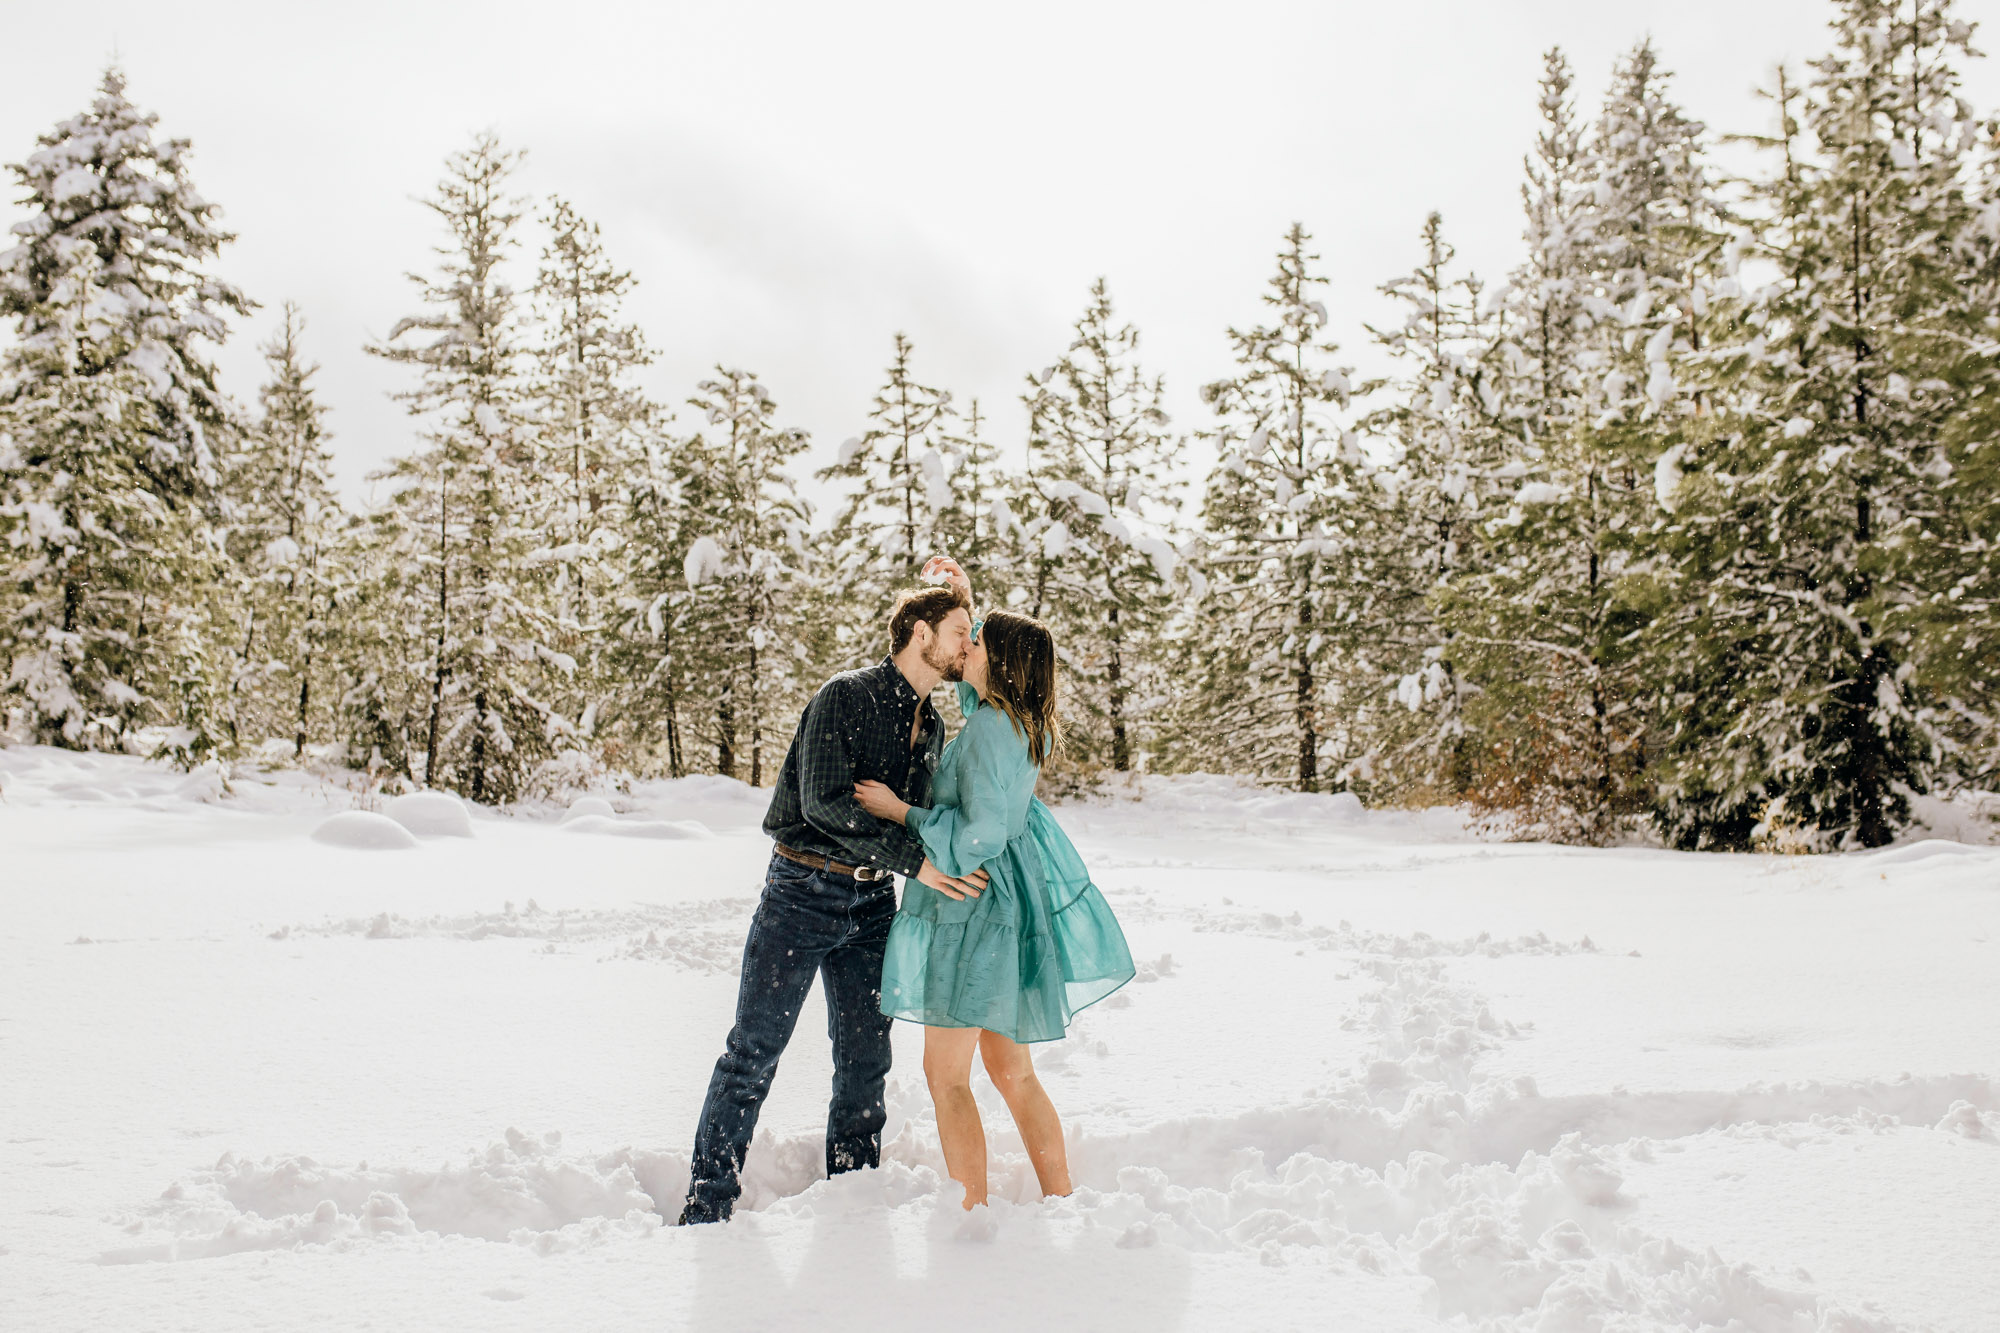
x=1375 y=1074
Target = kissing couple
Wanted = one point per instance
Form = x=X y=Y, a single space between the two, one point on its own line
x=1001 y=936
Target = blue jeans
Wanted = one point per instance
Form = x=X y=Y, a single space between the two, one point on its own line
x=810 y=921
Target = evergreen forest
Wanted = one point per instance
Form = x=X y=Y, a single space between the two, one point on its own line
x=1685 y=525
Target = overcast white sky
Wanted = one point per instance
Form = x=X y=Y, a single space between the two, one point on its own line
x=792 y=183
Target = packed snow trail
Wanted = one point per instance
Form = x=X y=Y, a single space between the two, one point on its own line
x=1373 y=1074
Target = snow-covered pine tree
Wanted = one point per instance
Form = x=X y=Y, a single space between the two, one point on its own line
x=284 y=522
x=890 y=523
x=378 y=665
x=116 y=421
x=1799 y=516
x=1547 y=294
x=1524 y=613
x=748 y=627
x=979 y=527
x=1444 y=432
x=593 y=422
x=645 y=724
x=1661 y=250
x=1959 y=618
x=192 y=693
x=1100 y=470
x=1290 y=521
x=473 y=504
x=1618 y=240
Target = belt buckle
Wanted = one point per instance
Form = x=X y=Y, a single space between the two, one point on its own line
x=869 y=874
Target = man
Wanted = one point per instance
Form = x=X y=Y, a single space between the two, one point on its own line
x=829 y=895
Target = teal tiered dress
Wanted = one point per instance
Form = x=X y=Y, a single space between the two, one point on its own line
x=1040 y=943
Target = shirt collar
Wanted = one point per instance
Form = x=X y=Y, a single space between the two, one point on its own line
x=905 y=693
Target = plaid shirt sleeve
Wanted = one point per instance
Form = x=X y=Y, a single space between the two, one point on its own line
x=826 y=788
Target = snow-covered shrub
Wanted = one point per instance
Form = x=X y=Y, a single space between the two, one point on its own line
x=1784 y=833
x=1551 y=768
x=571 y=774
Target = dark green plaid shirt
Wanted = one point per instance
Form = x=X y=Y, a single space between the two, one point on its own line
x=855 y=729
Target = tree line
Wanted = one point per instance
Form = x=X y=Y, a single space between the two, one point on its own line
x=1689 y=520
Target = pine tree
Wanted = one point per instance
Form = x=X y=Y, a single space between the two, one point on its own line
x=1100 y=472
x=197 y=726
x=115 y=418
x=893 y=520
x=1958 y=620
x=592 y=425
x=1548 y=293
x=1289 y=565
x=1612 y=293
x=1798 y=528
x=746 y=622
x=979 y=527
x=284 y=522
x=1525 y=610
x=1446 y=433
x=463 y=529
x=379 y=664
x=647 y=718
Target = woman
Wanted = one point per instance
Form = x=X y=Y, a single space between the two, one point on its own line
x=1009 y=966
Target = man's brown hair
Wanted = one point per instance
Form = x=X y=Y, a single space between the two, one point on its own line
x=930 y=605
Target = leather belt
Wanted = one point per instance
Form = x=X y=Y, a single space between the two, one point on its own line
x=865 y=874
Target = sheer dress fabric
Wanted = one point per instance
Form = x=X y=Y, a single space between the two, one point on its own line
x=1040 y=943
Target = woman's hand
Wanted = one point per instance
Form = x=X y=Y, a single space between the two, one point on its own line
x=879 y=801
x=948 y=569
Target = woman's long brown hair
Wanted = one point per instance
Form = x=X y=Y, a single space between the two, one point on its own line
x=1021 y=678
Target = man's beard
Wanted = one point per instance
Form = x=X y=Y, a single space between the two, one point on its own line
x=951 y=668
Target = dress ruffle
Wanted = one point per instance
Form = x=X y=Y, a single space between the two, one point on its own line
x=1022 y=959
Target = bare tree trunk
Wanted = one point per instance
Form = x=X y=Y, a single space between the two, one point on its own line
x=437 y=689
x=305 y=694
x=756 y=726
x=236 y=677
x=479 y=745
x=1600 y=734
x=725 y=731
x=1869 y=764
x=675 y=767
x=909 y=492
x=1121 y=753
x=305 y=685
x=444 y=622
x=1601 y=742
x=1303 y=708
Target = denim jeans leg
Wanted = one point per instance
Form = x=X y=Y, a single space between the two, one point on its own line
x=788 y=937
x=860 y=1034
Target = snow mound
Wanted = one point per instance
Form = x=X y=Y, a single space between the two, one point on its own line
x=1192 y=801
x=1964 y=1118
x=1965 y=816
x=666 y=829
x=521 y=1190
x=365 y=831
x=719 y=803
x=431 y=814
x=205 y=785
x=1926 y=850
x=584 y=806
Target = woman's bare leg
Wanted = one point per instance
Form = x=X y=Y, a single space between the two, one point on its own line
x=948 y=1069
x=1012 y=1070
